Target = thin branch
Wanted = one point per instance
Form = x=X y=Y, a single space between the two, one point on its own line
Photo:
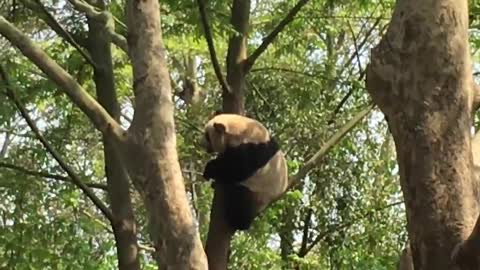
x=338 y=227
x=283 y=70
x=47 y=175
x=97 y=114
x=98 y=221
x=52 y=22
x=356 y=54
x=119 y=40
x=126 y=117
x=357 y=49
x=211 y=46
x=313 y=161
x=104 y=16
x=146 y=248
x=270 y=37
x=344 y=99
x=75 y=179
x=306 y=227
x=334 y=17
x=364 y=41
x=6 y=143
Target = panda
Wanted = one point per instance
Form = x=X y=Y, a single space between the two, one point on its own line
x=250 y=167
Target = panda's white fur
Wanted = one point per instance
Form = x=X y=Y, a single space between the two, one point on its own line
x=271 y=180
x=263 y=161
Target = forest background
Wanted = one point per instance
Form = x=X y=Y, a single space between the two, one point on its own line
x=305 y=80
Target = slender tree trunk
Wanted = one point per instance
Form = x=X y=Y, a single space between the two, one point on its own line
x=124 y=227
x=220 y=233
x=234 y=102
x=420 y=77
x=286 y=233
x=152 y=154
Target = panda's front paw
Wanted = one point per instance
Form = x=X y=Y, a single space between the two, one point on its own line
x=208 y=173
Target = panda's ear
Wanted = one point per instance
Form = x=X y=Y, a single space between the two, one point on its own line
x=220 y=128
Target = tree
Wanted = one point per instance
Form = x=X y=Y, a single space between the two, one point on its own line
x=149 y=147
x=420 y=77
x=296 y=66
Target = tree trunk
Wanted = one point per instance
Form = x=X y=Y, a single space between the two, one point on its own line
x=124 y=227
x=287 y=237
x=420 y=77
x=467 y=253
x=220 y=233
x=152 y=154
x=406 y=262
x=234 y=102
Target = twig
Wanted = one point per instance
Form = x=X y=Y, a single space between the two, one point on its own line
x=146 y=248
x=99 y=222
x=47 y=175
x=344 y=100
x=357 y=49
x=270 y=37
x=126 y=117
x=75 y=179
x=364 y=40
x=356 y=54
x=211 y=47
x=334 y=17
x=284 y=70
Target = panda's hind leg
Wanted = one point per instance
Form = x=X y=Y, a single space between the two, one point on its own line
x=240 y=207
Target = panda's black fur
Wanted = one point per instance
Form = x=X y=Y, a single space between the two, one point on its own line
x=233 y=166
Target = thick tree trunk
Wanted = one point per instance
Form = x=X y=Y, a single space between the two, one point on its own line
x=420 y=77
x=124 y=227
x=152 y=153
x=467 y=253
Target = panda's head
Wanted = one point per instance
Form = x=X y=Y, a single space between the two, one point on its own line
x=230 y=130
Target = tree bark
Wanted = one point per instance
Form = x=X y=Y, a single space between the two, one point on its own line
x=220 y=233
x=234 y=101
x=124 y=227
x=406 y=262
x=286 y=233
x=467 y=253
x=420 y=77
x=152 y=155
